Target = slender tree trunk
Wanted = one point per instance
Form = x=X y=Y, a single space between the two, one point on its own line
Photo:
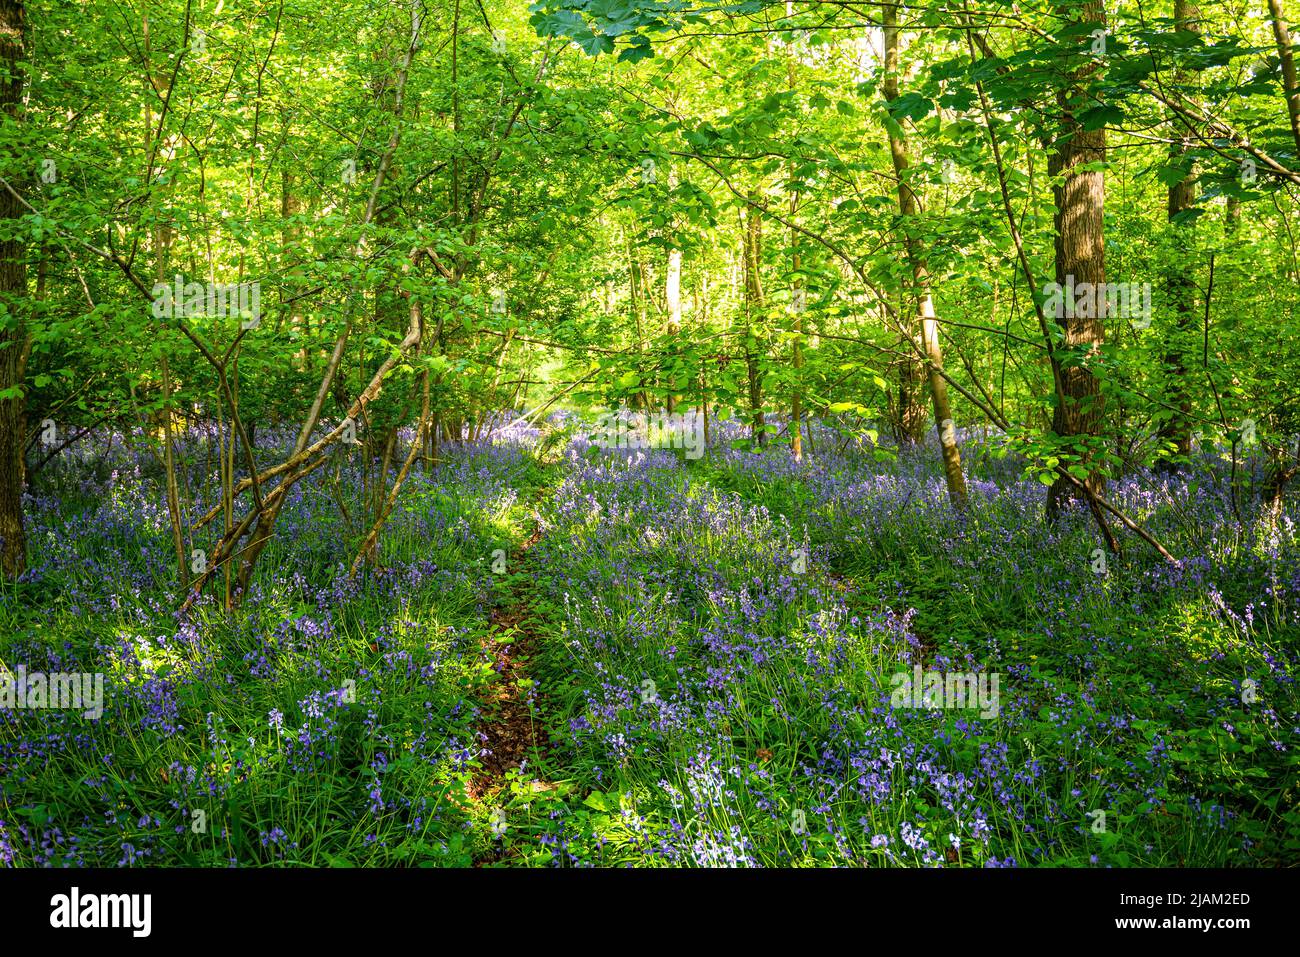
x=381 y=437
x=796 y=397
x=162 y=240
x=753 y=242
x=262 y=520
x=673 y=300
x=907 y=208
x=13 y=295
x=704 y=403
x=1282 y=34
x=173 y=492
x=638 y=309
x=798 y=300
x=290 y=242
x=1182 y=195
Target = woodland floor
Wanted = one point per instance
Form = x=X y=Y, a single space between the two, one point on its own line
x=682 y=663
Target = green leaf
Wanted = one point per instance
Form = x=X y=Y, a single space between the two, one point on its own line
x=1099 y=116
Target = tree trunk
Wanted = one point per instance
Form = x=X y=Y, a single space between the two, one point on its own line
x=907 y=207
x=174 y=515
x=13 y=332
x=1080 y=258
x=1182 y=195
x=909 y=416
x=1281 y=471
x=290 y=243
x=796 y=398
x=673 y=299
x=1282 y=34
x=753 y=240
x=638 y=313
x=798 y=295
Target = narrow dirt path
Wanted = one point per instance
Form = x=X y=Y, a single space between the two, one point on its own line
x=510 y=731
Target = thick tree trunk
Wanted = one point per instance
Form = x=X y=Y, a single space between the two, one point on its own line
x=1080 y=258
x=909 y=416
x=13 y=332
x=1281 y=471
